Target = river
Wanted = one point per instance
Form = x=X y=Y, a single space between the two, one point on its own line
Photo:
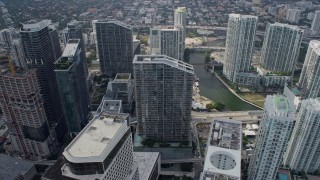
x=213 y=89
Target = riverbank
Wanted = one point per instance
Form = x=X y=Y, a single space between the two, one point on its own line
x=243 y=97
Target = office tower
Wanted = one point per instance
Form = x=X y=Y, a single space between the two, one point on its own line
x=136 y=47
x=315 y=26
x=239 y=45
x=303 y=149
x=281 y=48
x=74 y=30
x=163 y=93
x=102 y=150
x=309 y=81
x=293 y=15
x=272 y=138
x=180 y=17
x=41 y=48
x=114 y=45
x=24 y=108
x=223 y=156
x=168 y=41
x=72 y=86
x=121 y=88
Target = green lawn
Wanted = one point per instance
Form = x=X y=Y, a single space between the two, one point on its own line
x=255 y=98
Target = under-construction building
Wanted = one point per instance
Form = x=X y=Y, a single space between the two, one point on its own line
x=23 y=106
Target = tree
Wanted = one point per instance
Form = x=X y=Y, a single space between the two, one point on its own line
x=148 y=142
x=219 y=106
x=207 y=57
x=186 y=167
x=209 y=106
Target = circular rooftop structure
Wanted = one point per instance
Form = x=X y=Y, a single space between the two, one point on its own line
x=223 y=160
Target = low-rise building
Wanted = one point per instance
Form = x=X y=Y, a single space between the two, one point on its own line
x=223 y=156
x=247 y=79
x=269 y=78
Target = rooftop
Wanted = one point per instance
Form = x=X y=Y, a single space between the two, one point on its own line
x=36 y=25
x=71 y=48
x=281 y=103
x=119 y=23
x=162 y=59
x=11 y=167
x=122 y=76
x=98 y=133
x=225 y=133
x=242 y=16
x=181 y=9
x=146 y=162
x=286 y=26
x=315 y=45
x=110 y=106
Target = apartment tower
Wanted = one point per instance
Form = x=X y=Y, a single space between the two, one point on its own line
x=272 y=138
x=163 y=92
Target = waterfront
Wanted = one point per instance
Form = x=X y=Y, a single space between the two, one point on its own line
x=213 y=89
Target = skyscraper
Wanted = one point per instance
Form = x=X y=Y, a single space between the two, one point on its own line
x=180 y=18
x=74 y=30
x=315 y=26
x=272 y=138
x=114 y=44
x=239 y=45
x=168 y=41
x=303 y=149
x=163 y=92
x=293 y=15
x=103 y=150
x=72 y=86
x=281 y=48
x=309 y=81
x=41 y=48
x=23 y=106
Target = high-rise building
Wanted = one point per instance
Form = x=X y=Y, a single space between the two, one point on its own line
x=163 y=93
x=293 y=15
x=315 y=26
x=223 y=157
x=41 y=48
x=114 y=45
x=309 y=81
x=168 y=41
x=24 y=108
x=180 y=17
x=17 y=53
x=121 y=88
x=311 y=16
x=281 y=48
x=303 y=149
x=239 y=45
x=272 y=138
x=72 y=86
x=103 y=150
x=74 y=30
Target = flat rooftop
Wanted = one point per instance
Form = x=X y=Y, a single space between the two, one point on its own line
x=146 y=161
x=11 y=167
x=286 y=26
x=71 y=48
x=119 y=23
x=122 y=76
x=242 y=16
x=163 y=59
x=281 y=103
x=225 y=133
x=95 y=137
x=221 y=162
x=110 y=105
x=36 y=25
x=315 y=45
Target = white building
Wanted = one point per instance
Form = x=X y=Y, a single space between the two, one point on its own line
x=269 y=78
x=293 y=15
x=180 y=17
x=309 y=81
x=281 y=48
x=293 y=95
x=315 y=26
x=223 y=156
x=239 y=45
x=168 y=41
x=272 y=138
x=303 y=149
x=102 y=150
